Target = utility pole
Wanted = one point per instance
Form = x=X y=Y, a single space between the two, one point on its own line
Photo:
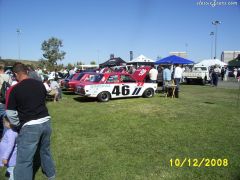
x=19 y=47
x=212 y=34
x=216 y=23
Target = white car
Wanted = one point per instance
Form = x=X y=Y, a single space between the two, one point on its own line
x=198 y=74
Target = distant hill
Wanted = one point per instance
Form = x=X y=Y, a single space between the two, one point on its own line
x=10 y=62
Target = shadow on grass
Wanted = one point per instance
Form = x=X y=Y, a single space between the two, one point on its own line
x=237 y=177
x=208 y=102
x=194 y=83
x=68 y=92
x=84 y=99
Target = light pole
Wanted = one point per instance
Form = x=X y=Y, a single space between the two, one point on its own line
x=211 y=34
x=18 y=34
x=216 y=23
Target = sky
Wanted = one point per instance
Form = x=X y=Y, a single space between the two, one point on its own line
x=91 y=30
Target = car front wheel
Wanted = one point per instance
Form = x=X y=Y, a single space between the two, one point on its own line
x=103 y=96
x=148 y=93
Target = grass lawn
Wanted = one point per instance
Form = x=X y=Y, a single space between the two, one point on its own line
x=135 y=138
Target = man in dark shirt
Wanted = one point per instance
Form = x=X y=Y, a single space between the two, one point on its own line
x=27 y=111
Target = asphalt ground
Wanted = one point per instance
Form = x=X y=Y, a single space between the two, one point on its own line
x=229 y=84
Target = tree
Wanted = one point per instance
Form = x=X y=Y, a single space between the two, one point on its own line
x=93 y=63
x=43 y=63
x=51 y=51
x=70 y=66
x=80 y=63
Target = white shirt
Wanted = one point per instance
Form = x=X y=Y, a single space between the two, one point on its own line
x=178 y=72
x=54 y=85
x=14 y=82
x=37 y=121
x=5 y=77
x=47 y=87
x=153 y=74
x=39 y=71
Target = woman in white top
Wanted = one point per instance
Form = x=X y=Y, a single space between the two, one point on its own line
x=235 y=73
x=52 y=90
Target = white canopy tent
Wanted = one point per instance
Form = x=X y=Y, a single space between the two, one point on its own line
x=211 y=62
x=141 y=58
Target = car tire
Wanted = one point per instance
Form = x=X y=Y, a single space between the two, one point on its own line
x=103 y=96
x=148 y=93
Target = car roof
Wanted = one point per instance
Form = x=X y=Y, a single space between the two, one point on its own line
x=117 y=73
x=88 y=72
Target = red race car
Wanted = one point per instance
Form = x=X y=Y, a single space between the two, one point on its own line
x=116 y=85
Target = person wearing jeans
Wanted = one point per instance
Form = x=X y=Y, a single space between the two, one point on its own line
x=39 y=133
x=177 y=75
x=27 y=112
x=166 y=77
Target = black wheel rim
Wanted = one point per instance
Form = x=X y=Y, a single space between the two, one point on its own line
x=104 y=96
x=149 y=93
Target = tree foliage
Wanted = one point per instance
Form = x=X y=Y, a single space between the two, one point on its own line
x=44 y=64
x=93 y=63
x=70 y=66
x=80 y=63
x=51 y=51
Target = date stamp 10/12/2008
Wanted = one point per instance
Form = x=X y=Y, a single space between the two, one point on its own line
x=199 y=162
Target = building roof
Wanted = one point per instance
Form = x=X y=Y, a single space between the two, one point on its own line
x=142 y=58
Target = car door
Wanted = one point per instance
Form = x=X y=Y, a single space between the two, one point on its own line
x=127 y=87
x=113 y=83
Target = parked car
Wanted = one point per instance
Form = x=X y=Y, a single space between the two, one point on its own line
x=71 y=83
x=198 y=74
x=105 y=86
x=65 y=80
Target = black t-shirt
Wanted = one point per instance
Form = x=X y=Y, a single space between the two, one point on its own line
x=28 y=99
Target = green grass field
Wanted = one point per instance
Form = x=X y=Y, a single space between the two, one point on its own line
x=136 y=138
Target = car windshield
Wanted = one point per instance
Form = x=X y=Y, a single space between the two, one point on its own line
x=200 y=68
x=80 y=76
x=127 y=78
x=75 y=76
x=70 y=77
x=95 y=78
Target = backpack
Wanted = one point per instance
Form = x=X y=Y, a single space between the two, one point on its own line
x=3 y=91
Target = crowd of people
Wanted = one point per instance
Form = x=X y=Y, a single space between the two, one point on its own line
x=236 y=73
x=170 y=75
x=25 y=123
x=222 y=73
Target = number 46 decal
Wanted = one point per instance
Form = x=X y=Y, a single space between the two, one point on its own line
x=125 y=90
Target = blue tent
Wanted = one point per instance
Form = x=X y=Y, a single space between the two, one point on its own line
x=173 y=60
